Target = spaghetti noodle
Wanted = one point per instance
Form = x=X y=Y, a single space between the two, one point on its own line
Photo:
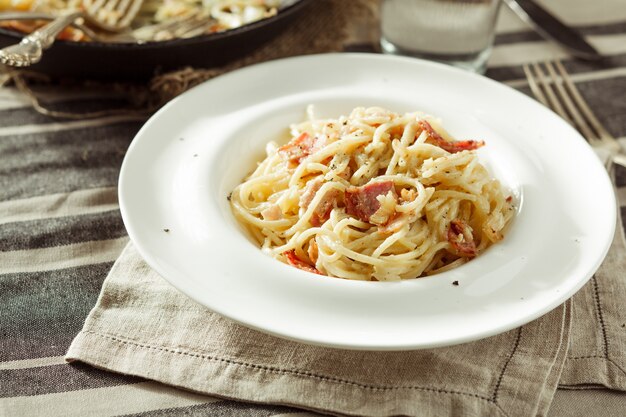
x=373 y=196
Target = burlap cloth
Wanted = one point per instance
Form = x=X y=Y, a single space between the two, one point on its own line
x=143 y=326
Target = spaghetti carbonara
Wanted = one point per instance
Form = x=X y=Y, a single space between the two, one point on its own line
x=373 y=196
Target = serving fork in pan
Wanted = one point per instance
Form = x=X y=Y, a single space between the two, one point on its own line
x=109 y=15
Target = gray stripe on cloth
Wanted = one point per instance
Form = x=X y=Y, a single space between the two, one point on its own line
x=58 y=378
x=620 y=177
x=28 y=115
x=32 y=363
x=12 y=97
x=588 y=402
x=587 y=30
x=514 y=72
x=61 y=257
x=32 y=129
x=47 y=163
x=621 y=196
x=94 y=200
x=221 y=409
x=102 y=402
x=60 y=231
x=523 y=52
x=606 y=98
x=42 y=312
x=579 y=77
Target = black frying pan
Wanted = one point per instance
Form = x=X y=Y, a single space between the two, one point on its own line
x=118 y=61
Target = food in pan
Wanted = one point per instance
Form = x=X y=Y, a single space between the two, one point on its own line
x=223 y=14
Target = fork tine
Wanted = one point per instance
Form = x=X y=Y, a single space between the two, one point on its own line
x=579 y=121
x=532 y=82
x=110 y=5
x=133 y=10
x=93 y=5
x=121 y=6
x=552 y=100
x=109 y=12
x=183 y=28
x=168 y=28
x=111 y=15
x=196 y=31
x=198 y=27
x=582 y=104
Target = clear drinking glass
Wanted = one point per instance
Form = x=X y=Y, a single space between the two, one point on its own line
x=456 y=32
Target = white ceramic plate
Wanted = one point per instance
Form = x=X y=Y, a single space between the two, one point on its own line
x=193 y=152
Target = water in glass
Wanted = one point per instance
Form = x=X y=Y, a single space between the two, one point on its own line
x=457 y=32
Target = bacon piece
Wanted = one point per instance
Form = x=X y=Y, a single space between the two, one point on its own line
x=361 y=202
x=313 y=250
x=394 y=224
x=310 y=189
x=321 y=213
x=452 y=147
x=299 y=148
x=323 y=209
x=461 y=239
x=298 y=263
x=273 y=212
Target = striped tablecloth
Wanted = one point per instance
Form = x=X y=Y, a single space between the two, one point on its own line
x=61 y=230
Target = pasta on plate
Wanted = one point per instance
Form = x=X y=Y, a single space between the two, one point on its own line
x=373 y=196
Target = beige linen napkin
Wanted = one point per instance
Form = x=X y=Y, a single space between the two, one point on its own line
x=143 y=326
x=597 y=349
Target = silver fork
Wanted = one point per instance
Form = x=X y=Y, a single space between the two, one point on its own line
x=554 y=88
x=110 y=15
x=30 y=49
x=182 y=27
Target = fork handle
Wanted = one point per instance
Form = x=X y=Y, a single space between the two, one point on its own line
x=30 y=48
x=45 y=36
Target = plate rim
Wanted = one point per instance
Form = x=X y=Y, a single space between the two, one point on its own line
x=556 y=301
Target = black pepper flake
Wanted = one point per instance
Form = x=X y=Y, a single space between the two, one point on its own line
x=455 y=283
x=229 y=196
x=166 y=230
x=195 y=155
x=623 y=325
